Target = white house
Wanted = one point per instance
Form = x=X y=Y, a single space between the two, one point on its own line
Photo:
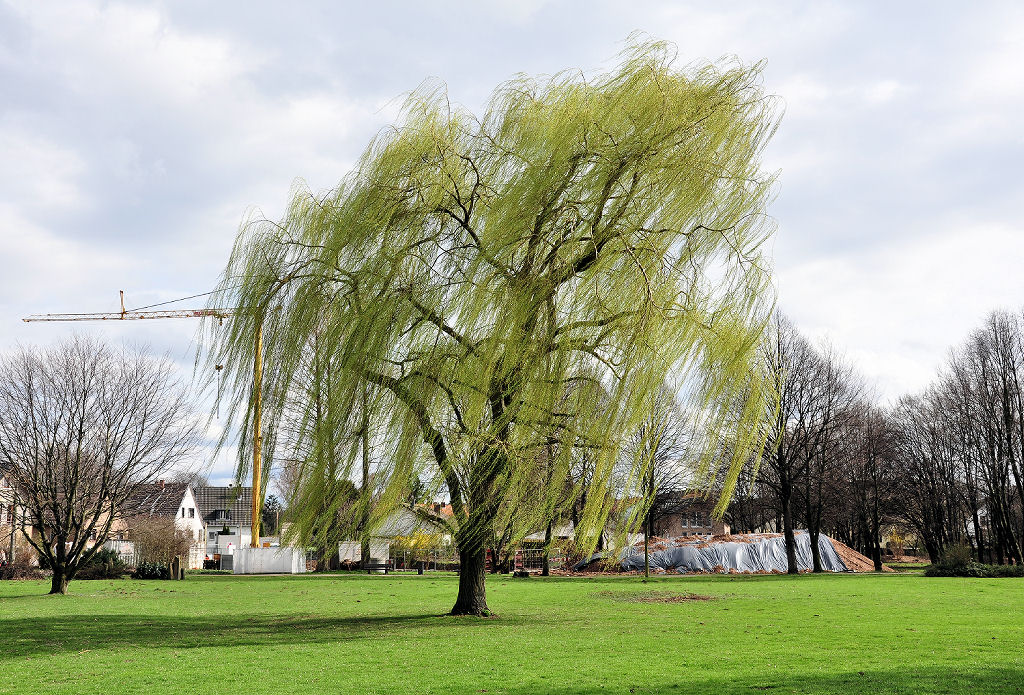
x=227 y=515
x=175 y=501
x=12 y=519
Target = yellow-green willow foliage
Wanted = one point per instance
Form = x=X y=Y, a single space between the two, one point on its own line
x=485 y=290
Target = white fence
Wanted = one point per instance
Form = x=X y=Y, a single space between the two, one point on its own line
x=276 y=560
x=130 y=556
x=125 y=551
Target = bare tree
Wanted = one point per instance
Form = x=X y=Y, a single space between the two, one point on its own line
x=796 y=370
x=827 y=444
x=82 y=426
x=866 y=479
x=962 y=447
x=158 y=540
x=196 y=477
x=659 y=450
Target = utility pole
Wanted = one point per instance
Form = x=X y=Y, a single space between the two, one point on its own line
x=257 y=437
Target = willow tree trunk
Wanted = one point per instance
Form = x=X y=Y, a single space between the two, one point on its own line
x=364 y=522
x=647 y=558
x=472 y=599
x=471 y=541
x=546 y=569
x=648 y=525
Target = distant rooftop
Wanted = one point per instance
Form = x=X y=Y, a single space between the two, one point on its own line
x=235 y=501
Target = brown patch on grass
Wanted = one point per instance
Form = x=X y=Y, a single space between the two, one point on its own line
x=652 y=596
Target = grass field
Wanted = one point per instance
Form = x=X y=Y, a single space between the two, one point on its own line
x=353 y=633
x=918 y=567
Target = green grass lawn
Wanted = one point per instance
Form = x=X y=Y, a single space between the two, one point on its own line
x=918 y=567
x=875 y=634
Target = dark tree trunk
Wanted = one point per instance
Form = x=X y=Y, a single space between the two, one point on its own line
x=647 y=556
x=364 y=553
x=815 y=534
x=59 y=583
x=785 y=497
x=647 y=525
x=472 y=599
x=876 y=541
x=546 y=569
x=364 y=522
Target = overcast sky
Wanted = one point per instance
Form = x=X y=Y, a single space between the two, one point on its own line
x=136 y=136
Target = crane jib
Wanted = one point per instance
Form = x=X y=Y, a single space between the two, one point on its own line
x=133 y=315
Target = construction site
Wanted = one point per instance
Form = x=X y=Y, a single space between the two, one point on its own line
x=746 y=553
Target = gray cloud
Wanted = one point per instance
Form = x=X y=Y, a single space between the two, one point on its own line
x=137 y=135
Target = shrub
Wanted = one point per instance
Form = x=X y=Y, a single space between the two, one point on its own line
x=21 y=569
x=955 y=567
x=958 y=555
x=157 y=540
x=25 y=565
x=105 y=564
x=151 y=570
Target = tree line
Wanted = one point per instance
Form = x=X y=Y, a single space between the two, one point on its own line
x=941 y=467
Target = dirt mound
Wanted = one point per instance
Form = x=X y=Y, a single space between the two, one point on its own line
x=653 y=596
x=855 y=561
x=768 y=558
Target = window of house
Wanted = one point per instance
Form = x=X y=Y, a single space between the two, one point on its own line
x=191 y=512
x=213 y=535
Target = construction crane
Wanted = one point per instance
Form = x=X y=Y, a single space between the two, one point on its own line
x=257 y=385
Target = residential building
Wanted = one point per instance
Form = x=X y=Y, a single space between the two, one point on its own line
x=162 y=500
x=13 y=518
x=227 y=516
x=678 y=513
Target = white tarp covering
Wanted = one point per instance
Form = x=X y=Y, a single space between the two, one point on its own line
x=748 y=554
x=275 y=560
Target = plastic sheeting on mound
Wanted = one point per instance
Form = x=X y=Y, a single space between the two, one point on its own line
x=751 y=553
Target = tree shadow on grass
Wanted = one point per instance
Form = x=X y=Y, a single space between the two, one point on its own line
x=960 y=678
x=26 y=637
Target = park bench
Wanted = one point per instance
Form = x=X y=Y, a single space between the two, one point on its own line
x=377 y=566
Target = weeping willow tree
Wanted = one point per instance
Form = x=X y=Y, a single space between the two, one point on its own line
x=485 y=289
